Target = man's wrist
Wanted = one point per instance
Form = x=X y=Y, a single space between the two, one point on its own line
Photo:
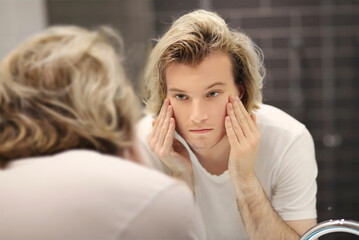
x=248 y=189
x=245 y=183
x=186 y=177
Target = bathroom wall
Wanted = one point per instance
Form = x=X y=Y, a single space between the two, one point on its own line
x=19 y=19
x=132 y=18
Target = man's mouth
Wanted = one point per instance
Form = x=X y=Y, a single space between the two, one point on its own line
x=202 y=130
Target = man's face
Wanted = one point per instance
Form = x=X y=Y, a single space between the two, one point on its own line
x=199 y=96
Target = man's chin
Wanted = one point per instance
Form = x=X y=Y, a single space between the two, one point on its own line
x=200 y=145
x=197 y=144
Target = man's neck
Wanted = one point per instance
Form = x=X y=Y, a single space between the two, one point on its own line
x=214 y=159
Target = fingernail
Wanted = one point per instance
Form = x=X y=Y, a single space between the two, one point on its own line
x=237 y=99
x=230 y=107
x=232 y=99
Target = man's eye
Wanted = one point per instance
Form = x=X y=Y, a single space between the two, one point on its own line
x=213 y=94
x=181 y=97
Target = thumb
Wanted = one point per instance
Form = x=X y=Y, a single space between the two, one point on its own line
x=254 y=119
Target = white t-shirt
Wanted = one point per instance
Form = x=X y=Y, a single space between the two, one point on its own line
x=84 y=195
x=285 y=167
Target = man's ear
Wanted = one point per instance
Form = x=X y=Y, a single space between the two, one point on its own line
x=241 y=90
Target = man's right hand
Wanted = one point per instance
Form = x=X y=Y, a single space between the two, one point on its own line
x=170 y=151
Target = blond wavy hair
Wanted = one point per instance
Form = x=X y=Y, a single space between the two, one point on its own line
x=189 y=40
x=62 y=89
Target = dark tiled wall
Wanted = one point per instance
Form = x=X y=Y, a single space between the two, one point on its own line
x=311 y=55
x=132 y=18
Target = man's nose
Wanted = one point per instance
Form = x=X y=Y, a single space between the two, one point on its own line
x=198 y=112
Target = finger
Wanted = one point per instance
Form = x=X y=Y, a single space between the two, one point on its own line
x=159 y=121
x=155 y=122
x=153 y=137
x=232 y=137
x=168 y=142
x=164 y=128
x=254 y=120
x=243 y=116
x=251 y=124
x=235 y=125
x=163 y=111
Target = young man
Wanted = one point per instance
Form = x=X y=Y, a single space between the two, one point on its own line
x=251 y=166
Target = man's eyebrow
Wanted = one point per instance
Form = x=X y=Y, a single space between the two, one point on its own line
x=176 y=90
x=210 y=86
x=216 y=84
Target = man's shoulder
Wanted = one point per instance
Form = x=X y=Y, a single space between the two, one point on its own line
x=96 y=185
x=270 y=117
x=83 y=166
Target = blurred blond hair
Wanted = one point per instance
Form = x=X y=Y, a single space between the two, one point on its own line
x=189 y=40
x=62 y=89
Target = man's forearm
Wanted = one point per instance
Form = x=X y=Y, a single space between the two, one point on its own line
x=259 y=218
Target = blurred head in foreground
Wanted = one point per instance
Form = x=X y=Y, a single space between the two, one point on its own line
x=65 y=88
